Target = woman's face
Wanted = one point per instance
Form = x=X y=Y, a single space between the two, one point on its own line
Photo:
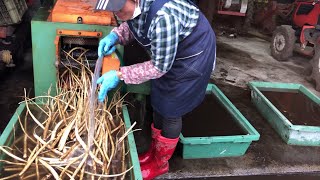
x=126 y=12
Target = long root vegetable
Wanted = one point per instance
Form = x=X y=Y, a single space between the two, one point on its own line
x=55 y=135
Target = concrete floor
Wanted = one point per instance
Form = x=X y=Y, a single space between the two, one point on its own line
x=239 y=60
x=244 y=59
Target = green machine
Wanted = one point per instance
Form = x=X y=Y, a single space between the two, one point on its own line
x=61 y=27
x=66 y=24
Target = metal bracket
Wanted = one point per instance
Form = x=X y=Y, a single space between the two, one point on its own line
x=79 y=33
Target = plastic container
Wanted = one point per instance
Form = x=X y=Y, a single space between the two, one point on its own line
x=223 y=145
x=291 y=109
x=6 y=139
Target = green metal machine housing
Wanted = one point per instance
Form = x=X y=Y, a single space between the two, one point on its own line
x=44 y=34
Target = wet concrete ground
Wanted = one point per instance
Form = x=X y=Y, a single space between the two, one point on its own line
x=244 y=59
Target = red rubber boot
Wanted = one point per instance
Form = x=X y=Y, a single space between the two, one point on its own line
x=147 y=156
x=164 y=148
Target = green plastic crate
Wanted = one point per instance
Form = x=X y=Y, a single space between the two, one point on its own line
x=6 y=138
x=220 y=146
x=290 y=133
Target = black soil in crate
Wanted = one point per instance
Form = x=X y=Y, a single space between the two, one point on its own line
x=296 y=107
x=211 y=118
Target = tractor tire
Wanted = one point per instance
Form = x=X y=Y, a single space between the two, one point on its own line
x=283 y=42
x=315 y=63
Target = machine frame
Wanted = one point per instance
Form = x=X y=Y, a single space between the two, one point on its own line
x=44 y=33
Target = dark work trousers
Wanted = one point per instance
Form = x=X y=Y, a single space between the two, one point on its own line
x=171 y=127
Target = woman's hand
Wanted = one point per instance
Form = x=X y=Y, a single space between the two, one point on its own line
x=107 y=44
x=108 y=81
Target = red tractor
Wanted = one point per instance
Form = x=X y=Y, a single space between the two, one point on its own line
x=305 y=30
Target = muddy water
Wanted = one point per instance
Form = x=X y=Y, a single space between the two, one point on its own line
x=296 y=107
x=210 y=119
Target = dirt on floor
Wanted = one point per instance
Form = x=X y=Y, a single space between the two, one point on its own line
x=244 y=59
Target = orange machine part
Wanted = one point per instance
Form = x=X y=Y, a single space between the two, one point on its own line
x=71 y=11
x=57 y=44
x=110 y=62
x=64 y=32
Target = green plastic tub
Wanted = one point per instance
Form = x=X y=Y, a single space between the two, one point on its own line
x=219 y=145
x=6 y=139
x=294 y=120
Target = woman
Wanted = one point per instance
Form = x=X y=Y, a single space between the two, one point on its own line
x=182 y=47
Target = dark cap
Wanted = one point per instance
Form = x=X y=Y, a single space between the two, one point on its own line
x=110 y=5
